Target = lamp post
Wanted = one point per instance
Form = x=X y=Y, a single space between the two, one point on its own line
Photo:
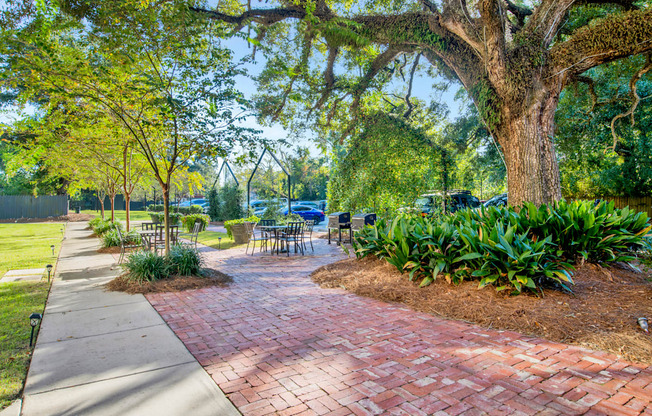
x=34 y=319
x=49 y=267
x=219 y=243
x=52 y=248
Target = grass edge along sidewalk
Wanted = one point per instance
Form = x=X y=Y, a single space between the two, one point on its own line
x=23 y=246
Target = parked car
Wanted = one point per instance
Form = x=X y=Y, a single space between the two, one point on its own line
x=497 y=201
x=205 y=206
x=195 y=201
x=306 y=204
x=307 y=213
x=430 y=202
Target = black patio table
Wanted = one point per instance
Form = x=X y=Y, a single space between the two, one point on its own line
x=275 y=229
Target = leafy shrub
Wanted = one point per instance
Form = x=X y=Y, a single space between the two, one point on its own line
x=185 y=261
x=189 y=221
x=112 y=239
x=214 y=205
x=232 y=199
x=94 y=222
x=228 y=224
x=155 y=208
x=504 y=248
x=104 y=226
x=146 y=265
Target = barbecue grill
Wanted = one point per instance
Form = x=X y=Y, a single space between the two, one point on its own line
x=339 y=221
x=360 y=220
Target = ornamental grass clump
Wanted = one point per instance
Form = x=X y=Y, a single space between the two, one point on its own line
x=146 y=266
x=112 y=239
x=143 y=266
x=103 y=226
x=507 y=249
x=185 y=261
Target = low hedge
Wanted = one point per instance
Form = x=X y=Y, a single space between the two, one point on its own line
x=193 y=209
x=188 y=221
x=507 y=249
x=228 y=224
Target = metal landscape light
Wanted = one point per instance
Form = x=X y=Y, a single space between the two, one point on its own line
x=219 y=242
x=34 y=319
x=52 y=248
x=642 y=322
x=49 y=267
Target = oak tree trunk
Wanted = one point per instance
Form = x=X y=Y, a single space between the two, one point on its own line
x=531 y=162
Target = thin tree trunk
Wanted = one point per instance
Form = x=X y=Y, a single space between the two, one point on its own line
x=112 y=199
x=102 y=205
x=166 y=212
x=127 y=209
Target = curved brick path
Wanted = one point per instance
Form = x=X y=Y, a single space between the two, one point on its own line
x=276 y=343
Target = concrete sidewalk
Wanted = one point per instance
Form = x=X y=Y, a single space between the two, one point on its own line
x=108 y=353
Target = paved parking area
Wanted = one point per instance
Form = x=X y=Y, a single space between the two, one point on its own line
x=276 y=343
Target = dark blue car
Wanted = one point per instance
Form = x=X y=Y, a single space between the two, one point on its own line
x=307 y=213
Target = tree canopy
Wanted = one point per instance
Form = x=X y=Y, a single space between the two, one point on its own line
x=513 y=60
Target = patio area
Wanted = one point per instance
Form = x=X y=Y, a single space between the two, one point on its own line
x=276 y=343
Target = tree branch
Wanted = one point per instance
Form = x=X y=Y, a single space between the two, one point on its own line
x=632 y=87
x=612 y=38
x=591 y=84
x=409 y=91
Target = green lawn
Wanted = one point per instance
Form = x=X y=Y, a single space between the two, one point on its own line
x=210 y=238
x=121 y=215
x=27 y=246
x=23 y=246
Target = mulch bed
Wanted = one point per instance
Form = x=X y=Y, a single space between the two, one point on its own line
x=600 y=314
x=63 y=218
x=109 y=250
x=211 y=277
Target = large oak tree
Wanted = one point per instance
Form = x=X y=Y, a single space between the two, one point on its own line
x=513 y=60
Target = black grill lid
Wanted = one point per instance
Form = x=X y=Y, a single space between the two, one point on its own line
x=341 y=217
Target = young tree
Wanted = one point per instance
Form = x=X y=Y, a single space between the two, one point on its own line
x=155 y=68
x=513 y=60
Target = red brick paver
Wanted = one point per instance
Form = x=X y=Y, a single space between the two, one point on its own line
x=276 y=343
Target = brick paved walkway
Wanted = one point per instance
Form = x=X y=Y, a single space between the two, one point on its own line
x=276 y=343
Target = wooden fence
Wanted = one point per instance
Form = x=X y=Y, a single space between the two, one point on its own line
x=26 y=206
x=643 y=204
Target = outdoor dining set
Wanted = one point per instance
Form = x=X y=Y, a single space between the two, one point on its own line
x=276 y=237
x=152 y=237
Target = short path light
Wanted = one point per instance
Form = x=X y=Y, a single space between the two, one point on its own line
x=52 y=248
x=642 y=322
x=34 y=319
x=49 y=267
x=219 y=242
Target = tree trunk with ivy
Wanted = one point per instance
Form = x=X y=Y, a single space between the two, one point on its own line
x=514 y=61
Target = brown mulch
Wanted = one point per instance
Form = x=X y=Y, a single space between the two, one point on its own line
x=109 y=250
x=63 y=218
x=600 y=314
x=211 y=277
